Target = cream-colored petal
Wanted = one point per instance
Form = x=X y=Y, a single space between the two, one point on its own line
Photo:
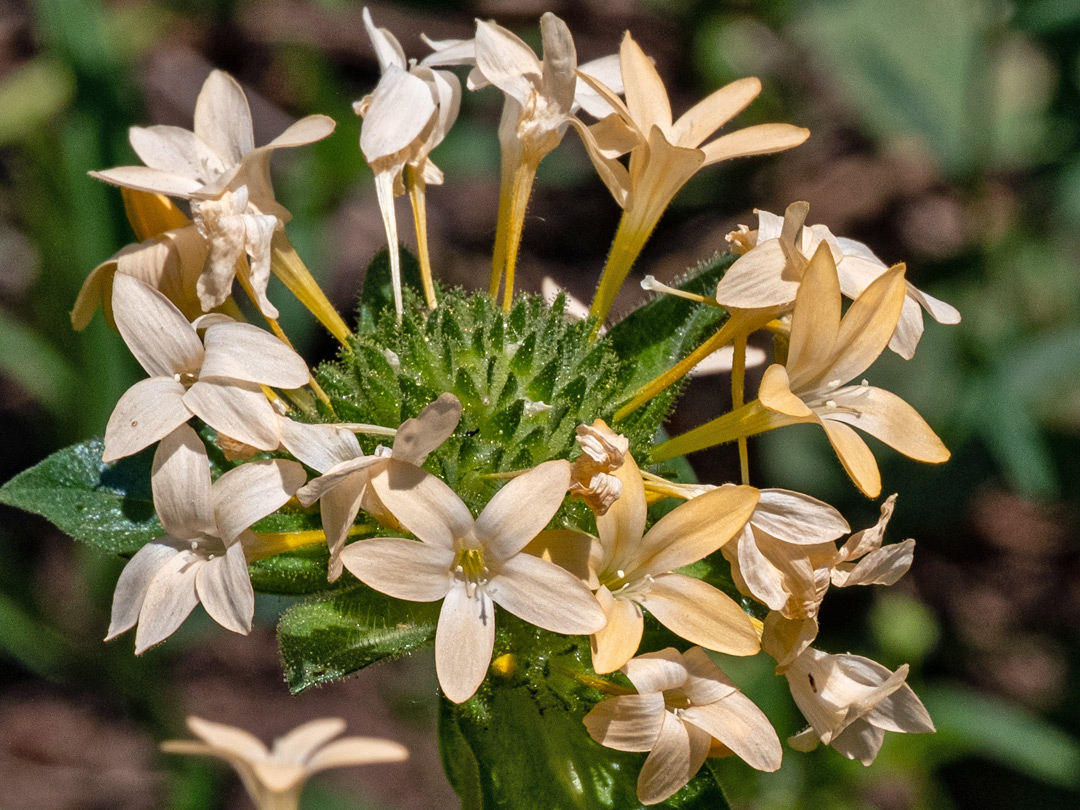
x=757 y=280
x=855 y=456
x=909 y=330
x=169 y=600
x=646 y=98
x=605 y=70
x=223 y=119
x=241 y=351
x=785 y=639
x=741 y=726
x=763 y=139
x=228 y=739
x=387 y=48
x=860 y=740
x=627 y=722
x=713 y=111
x=298 y=745
x=656 y=671
x=156 y=331
x=354 y=469
x=570 y=550
x=423 y=504
x=507 y=62
x=868 y=325
x=225 y=590
x=544 y=594
x=180 y=480
x=699 y=613
x=615 y=644
x=558 y=78
x=401 y=107
x=679 y=751
x=611 y=171
x=146 y=412
x=175 y=150
x=705 y=682
x=143 y=178
x=882 y=567
x=258 y=234
x=776 y=395
x=307 y=130
x=252 y=491
x=797 y=518
x=96 y=291
x=695 y=529
x=238 y=409
x=621 y=527
x=761 y=578
x=815 y=322
x=464 y=640
x=319 y=446
x=522 y=508
x=887 y=417
x=339 y=508
x=356 y=751
x=404 y=569
x=418 y=437
x=939 y=310
x=132 y=584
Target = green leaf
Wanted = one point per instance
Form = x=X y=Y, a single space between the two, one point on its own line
x=667 y=328
x=520 y=742
x=322 y=640
x=107 y=505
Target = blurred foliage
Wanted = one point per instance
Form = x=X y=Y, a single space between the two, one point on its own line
x=946 y=135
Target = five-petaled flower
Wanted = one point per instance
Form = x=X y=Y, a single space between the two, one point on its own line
x=201 y=559
x=686 y=709
x=473 y=564
x=275 y=777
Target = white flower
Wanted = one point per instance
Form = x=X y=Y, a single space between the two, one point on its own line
x=851 y=702
x=685 y=707
x=343 y=488
x=219 y=156
x=201 y=559
x=768 y=273
x=274 y=778
x=217 y=378
x=473 y=564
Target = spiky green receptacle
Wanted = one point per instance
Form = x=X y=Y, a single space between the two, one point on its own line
x=526 y=379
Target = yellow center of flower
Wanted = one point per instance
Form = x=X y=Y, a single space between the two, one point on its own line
x=469 y=567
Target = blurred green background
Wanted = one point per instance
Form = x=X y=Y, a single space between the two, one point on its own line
x=945 y=134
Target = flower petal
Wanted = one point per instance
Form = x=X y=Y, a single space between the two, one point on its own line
x=507 y=62
x=522 y=508
x=887 y=417
x=776 y=395
x=713 y=111
x=224 y=589
x=422 y=503
x=299 y=744
x=679 y=751
x=230 y=739
x=868 y=325
x=132 y=584
x=401 y=107
x=143 y=178
x=705 y=681
x=339 y=508
x=180 y=480
x=241 y=351
x=756 y=280
x=615 y=644
x=320 y=447
x=815 y=321
x=622 y=526
x=646 y=97
x=570 y=550
x=404 y=569
x=544 y=594
x=855 y=456
x=146 y=412
x=741 y=726
x=701 y=614
x=763 y=139
x=169 y=600
x=356 y=751
x=156 y=331
x=223 y=118
x=695 y=529
x=418 y=437
x=797 y=518
x=175 y=150
x=252 y=491
x=238 y=409
x=464 y=640
x=656 y=671
x=627 y=722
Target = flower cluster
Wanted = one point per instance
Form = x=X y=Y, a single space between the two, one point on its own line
x=533 y=549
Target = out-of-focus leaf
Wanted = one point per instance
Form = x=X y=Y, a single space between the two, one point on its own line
x=30 y=642
x=31 y=95
x=1047 y=16
x=971 y=723
x=325 y=639
x=107 y=505
x=1013 y=435
x=35 y=365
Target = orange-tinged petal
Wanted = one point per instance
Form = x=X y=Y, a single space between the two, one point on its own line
x=868 y=325
x=775 y=393
x=621 y=527
x=887 y=417
x=679 y=751
x=763 y=139
x=815 y=322
x=856 y=457
x=627 y=722
x=699 y=613
x=713 y=111
x=615 y=644
x=646 y=97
